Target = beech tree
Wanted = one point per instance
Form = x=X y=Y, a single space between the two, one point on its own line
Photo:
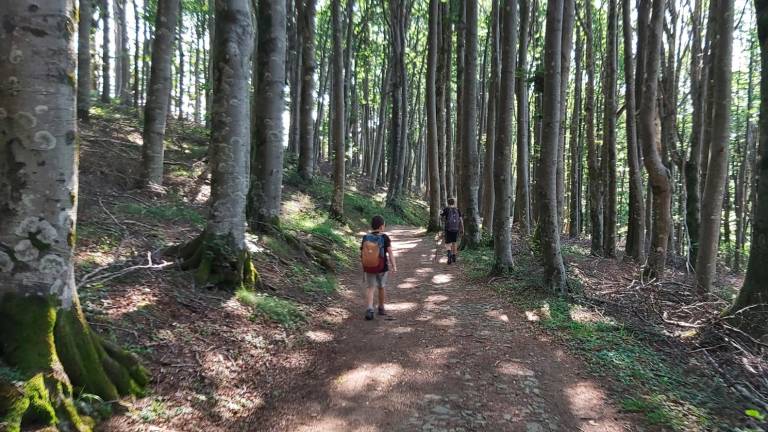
x=44 y=336
x=722 y=46
x=219 y=255
x=267 y=112
x=547 y=173
x=337 y=114
x=522 y=185
x=609 y=134
x=648 y=134
x=306 y=23
x=593 y=161
x=106 y=78
x=158 y=94
x=84 y=60
x=470 y=175
x=432 y=129
x=502 y=162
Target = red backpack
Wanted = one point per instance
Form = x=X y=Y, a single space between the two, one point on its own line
x=373 y=254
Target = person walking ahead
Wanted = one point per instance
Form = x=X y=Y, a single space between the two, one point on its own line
x=453 y=225
x=375 y=248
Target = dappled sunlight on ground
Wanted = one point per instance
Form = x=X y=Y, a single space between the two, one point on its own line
x=319 y=335
x=441 y=279
x=498 y=315
x=367 y=378
x=514 y=368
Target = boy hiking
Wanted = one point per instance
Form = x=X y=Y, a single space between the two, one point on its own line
x=375 y=248
x=453 y=226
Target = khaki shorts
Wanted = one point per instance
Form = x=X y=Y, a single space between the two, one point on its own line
x=376 y=280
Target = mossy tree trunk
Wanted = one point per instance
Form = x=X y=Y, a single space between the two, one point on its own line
x=436 y=185
x=219 y=254
x=47 y=349
x=268 y=106
x=306 y=24
x=337 y=114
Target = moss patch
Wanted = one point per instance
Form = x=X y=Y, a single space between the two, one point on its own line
x=216 y=263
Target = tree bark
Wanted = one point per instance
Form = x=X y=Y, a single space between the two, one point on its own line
x=106 y=82
x=714 y=187
x=307 y=89
x=547 y=175
x=574 y=207
x=449 y=148
x=522 y=186
x=158 y=95
x=337 y=114
x=609 y=133
x=593 y=158
x=398 y=136
x=123 y=61
x=502 y=162
x=432 y=129
x=45 y=337
x=751 y=305
x=565 y=66
x=635 y=244
x=84 y=60
x=648 y=135
x=490 y=173
x=268 y=106
x=470 y=181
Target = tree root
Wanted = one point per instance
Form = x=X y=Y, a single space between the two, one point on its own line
x=216 y=264
x=51 y=351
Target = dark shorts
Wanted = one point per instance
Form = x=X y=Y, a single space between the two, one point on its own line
x=451 y=237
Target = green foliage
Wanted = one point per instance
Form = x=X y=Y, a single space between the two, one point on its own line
x=284 y=312
x=325 y=284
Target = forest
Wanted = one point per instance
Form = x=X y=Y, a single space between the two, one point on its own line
x=184 y=185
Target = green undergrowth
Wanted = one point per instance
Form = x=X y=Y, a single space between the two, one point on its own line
x=175 y=211
x=281 y=311
x=652 y=382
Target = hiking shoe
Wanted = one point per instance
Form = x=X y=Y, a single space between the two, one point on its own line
x=382 y=311
x=369 y=314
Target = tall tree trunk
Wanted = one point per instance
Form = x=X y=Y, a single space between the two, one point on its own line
x=593 y=158
x=136 y=48
x=692 y=165
x=741 y=185
x=490 y=172
x=378 y=152
x=180 y=67
x=750 y=307
x=547 y=175
x=648 y=135
x=635 y=244
x=220 y=254
x=502 y=162
x=45 y=338
x=443 y=95
x=609 y=133
x=268 y=107
x=450 y=144
x=337 y=113
x=454 y=157
x=565 y=66
x=348 y=73
x=398 y=137
x=522 y=187
x=470 y=181
x=293 y=71
x=84 y=61
x=432 y=129
x=123 y=62
x=722 y=46
x=158 y=94
x=574 y=218
x=105 y=76
x=307 y=87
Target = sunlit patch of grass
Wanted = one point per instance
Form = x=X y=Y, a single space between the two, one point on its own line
x=325 y=284
x=281 y=311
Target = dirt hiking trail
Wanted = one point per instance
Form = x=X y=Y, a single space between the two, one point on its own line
x=450 y=357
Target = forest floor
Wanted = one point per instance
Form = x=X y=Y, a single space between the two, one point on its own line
x=460 y=350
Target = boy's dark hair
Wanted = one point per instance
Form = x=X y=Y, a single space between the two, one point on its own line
x=451 y=201
x=377 y=222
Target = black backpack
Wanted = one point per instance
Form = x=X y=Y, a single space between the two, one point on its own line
x=452 y=219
